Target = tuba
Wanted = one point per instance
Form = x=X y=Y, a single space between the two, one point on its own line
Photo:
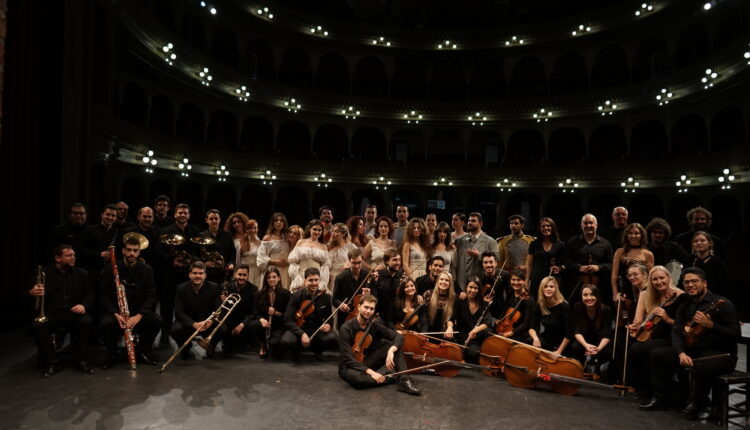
x=173 y=241
x=213 y=257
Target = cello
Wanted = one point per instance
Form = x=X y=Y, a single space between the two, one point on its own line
x=416 y=345
x=527 y=366
x=493 y=351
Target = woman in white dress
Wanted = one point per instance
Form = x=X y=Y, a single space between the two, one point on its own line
x=249 y=255
x=294 y=234
x=382 y=242
x=309 y=252
x=236 y=226
x=274 y=249
x=444 y=247
x=338 y=251
x=416 y=249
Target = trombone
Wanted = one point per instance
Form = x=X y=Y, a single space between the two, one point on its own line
x=41 y=278
x=227 y=305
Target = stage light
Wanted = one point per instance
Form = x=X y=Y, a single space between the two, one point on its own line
x=447 y=45
x=350 y=112
x=242 y=93
x=382 y=41
x=412 y=116
x=292 y=105
x=205 y=76
x=543 y=115
x=477 y=119
x=319 y=30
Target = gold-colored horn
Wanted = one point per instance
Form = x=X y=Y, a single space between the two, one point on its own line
x=141 y=239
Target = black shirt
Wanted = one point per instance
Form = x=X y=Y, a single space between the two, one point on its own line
x=722 y=337
x=190 y=231
x=385 y=289
x=685 y=239
x=245 y=310
x=346 y=284
x=280 y=304
x=577 y=252
x=69 y=234
x=191 y=307
x=669 y=251
x=664 y=330
x=542 y=260
x=586 y=327
x=224 y=245
x=153 y=255
x=466 y=321
x=348 y=333
x=97 y=238
x=558 y=325
x=140 y=288
x=63 y=290
x=524 y=308
x=717 y=273
x=313 y=321
x=163 y=222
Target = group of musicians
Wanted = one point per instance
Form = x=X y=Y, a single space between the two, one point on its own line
x=665 y=329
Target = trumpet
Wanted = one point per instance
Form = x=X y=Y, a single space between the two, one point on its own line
x=227 y=305
x=40 y=279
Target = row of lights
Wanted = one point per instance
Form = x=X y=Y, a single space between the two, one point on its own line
x=212 y=10
x=645 y=8
x=322 y=180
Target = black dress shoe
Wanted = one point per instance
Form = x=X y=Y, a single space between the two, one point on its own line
x=145 y=359
x=108 y=362
x=49 y=371
x=654 y=404
x=406 y=385
x=85 y=367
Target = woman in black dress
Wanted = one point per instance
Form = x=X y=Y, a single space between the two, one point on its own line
x=469 y=311
x=271 y=302
x=593 y=328
x=440 y=315
x=552 y=313
x=404 y=304
x=546 y=255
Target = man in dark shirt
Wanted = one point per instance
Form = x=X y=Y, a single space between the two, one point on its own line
x=385 y=349
x=709 y=349
x=244 y=312
x=153 y=255
x=699 y=219
x=347 y=283
x=664 y=250
x=161 y=212
x=123 y=220
x=386 y=281
x=295 y=336
x=140 y=290
x=619 y=221
x=72 y=232
x=223 y=244
x=588 y=255
x=426 y=283
x=97 y=239
x=67 y=295
x=194 y=304
x=489 y=278
x=180 y=257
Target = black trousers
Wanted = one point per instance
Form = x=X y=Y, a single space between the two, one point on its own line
x=639 y=363
x=471 y=353
x=374 y=361
x=79 y=326
x=257 y=332
x=181 y=333
x=293 y=343
x=167 y=292
x=664 y=360
x=146 y=330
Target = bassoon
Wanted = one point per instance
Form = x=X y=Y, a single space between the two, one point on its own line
x=122 y=304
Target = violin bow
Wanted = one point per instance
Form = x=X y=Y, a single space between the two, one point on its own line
x=617 y=317
x=491 y=293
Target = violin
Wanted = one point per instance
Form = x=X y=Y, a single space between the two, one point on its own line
x=306 y=308
x=416 y=344
x=693 y=331
x=409 y=320
x=362 y=341
x=623 y=306
x=590 y=278
x=526 y=366
x=643 y=332
x=512 y=315
x=489 y=290
x=354 y=306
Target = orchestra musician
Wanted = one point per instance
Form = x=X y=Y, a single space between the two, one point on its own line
x=552 y=313
x=660 y=298
x=223 y=244
x=589 y=257
x=472 y=330
x=426 y=282
x=385 y=349
x=267 y=325
x=521 y=303
x=347 y=282
x=513 y=249
x=592 y=328
x=298 y=336
x=67 y=294
x=140 y=290
x=386 y=281
x=704 y=339
x=404 y=304
x=488 y=278
x=239 y=320
x=441 y=314
x=546 y=255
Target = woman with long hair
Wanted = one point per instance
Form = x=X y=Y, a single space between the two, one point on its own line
x=383 y=241
x=356 y=226
x=416 y=249
x=592 y=328
x=271 y=301
x=309 y=252
x=552 y=313
x=236 y=226
x=293 y=235
x=249 y=256
x=338 y=250
x=661 y=298
x=634 y=250
x=546 y=255
x=444 y=247
x=404 y=303
x=440 y=316
x=703 y=256
x=274 y=249
x=468 y=312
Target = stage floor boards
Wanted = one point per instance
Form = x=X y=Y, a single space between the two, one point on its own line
x=246 y=392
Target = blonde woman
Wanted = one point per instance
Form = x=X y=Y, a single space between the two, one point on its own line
x=310 y=251
x=553 y=313
x=383 y=241
x=441 y=309
x=338 y=250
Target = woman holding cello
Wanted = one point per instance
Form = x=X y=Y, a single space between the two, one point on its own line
x=441 y=309
x=472 y=320
x=553 y=313
x=404 y=313
x=593 y=328
x=514 y=323
x=267 y=325
x=652 y=325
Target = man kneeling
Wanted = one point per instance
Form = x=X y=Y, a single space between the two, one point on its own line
x=364 y=374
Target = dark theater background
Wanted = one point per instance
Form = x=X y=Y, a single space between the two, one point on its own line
x=543 y=107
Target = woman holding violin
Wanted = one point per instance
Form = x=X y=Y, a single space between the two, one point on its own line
x=405 y=313
x=514 y=323
x=267 y=325
x=366 y=345
x=634 y=250
x=553 y=313
x=441 y=309
x=472 y=320
x=546 y=254
x=652 y=324
x=593 y=328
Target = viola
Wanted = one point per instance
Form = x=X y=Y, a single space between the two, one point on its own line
x=512 y=315
x=409 y=320
x=643 y=332
x=362 y=341
x=527 y=366
x=306 y=308
x=416 y=344
x=693 y=331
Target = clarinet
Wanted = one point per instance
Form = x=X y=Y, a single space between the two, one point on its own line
x=122 y=303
